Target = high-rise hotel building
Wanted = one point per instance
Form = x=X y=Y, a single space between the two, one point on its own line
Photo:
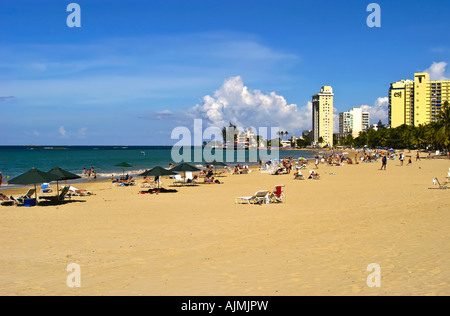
x=322 y=115
x=416 y=102
x=353 y=122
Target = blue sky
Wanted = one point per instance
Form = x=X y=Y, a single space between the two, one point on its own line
x=137 y=69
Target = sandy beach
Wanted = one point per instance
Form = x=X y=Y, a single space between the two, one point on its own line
x=199 y=242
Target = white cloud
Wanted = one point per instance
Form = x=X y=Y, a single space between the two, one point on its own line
x=437 y=71
x=62 y=132
x=235 y=103
x=379 y=111
x=33 y=133
x=82 y=132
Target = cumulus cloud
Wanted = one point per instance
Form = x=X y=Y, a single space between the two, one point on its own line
x=379 y=111
x=82 y=132
x=437 y=71
x=62 y=132
x=237 y=104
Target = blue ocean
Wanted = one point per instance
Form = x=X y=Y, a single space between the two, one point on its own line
x=15 y=160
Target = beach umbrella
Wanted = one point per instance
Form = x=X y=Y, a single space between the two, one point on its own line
x=217 y=164
x=62 y=176
x=185 y=167
x=123 y=165
x=158 y=172
x=34 y=176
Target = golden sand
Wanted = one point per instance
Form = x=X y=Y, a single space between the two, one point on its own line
x=199 y=242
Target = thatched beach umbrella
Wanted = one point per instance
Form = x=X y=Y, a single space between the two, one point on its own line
x=33 y=176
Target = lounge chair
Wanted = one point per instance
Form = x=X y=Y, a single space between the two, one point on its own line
x=60 y=198
x=277 y=195
x=436 y=182
x=259 y=197
x=45 y=188
x=124 y=183
x=6 y=201
x=27 y=195
x=150 y=184
x=299 y=176
x=178 y=180
x=77 y=192
x=313 y=175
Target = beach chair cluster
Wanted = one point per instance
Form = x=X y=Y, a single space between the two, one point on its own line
x=61 y=197
x=264 y=197
x=23 y=200
x=189 y=180
x=27 y=200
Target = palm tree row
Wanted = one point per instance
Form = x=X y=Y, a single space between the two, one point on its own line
x=435 y=134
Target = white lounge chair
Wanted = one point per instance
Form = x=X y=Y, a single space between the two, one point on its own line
x=178 y=180
x=259 y=197
x=277 y=195
x=436 y=182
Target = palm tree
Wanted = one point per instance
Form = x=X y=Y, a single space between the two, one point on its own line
x=443 y=126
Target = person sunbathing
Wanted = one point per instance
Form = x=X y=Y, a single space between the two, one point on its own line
x=76 y=191
x=298 y=175
x=149 y=181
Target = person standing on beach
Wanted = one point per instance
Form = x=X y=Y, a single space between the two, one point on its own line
x=401 y=159
x=317 y=162
x=417 y=156
x=1 y=179
x=384 y=161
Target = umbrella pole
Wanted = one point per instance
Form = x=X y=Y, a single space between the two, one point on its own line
x=57 y=189
x=35 y=193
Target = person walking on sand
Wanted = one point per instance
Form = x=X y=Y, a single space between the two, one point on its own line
x=317 y=162
x=417 y=156
x=384 y=163
x=409 y=161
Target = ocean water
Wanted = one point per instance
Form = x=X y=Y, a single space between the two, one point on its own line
x=15 y=160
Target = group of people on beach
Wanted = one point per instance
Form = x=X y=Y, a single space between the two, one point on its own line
x=90 y=173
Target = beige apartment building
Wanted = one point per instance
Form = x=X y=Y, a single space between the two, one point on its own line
x=416 y=102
